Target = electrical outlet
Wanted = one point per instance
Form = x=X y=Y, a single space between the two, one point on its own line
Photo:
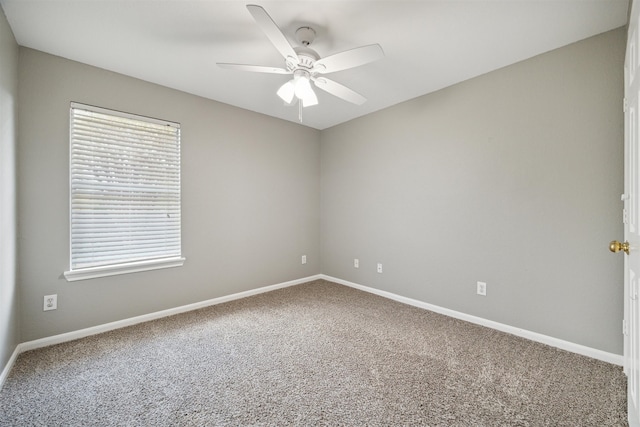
x=481 y=288
x=50 y=302
x=356 y=263
x=379 y=267
x=304 y=259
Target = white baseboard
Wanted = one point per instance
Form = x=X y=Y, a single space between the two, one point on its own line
x=9 y=365
x=74 y=335
x=69 y=336
x=612 y=358
x=544 y=339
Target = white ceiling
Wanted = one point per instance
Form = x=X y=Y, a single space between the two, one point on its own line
x=428 y=44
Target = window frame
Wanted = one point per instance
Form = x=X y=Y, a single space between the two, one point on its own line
x=121 y=267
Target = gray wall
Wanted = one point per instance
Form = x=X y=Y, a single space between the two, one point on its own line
x=250 y=198
x=512 y=178
x=9 y=319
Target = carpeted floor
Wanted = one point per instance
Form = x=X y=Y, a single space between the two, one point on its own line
x=312 y=354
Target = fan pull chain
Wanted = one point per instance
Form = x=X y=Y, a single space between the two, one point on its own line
x=300 y=110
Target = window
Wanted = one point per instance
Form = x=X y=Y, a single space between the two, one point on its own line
x=125 y=193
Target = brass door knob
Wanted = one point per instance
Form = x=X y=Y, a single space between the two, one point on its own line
x=616 y=246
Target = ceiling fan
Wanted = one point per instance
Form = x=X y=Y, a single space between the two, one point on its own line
x=306 y=65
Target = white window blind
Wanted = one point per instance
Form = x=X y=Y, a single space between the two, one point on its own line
x=125 y=189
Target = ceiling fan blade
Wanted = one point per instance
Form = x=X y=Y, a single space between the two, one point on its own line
x=254 y=68
x=336 y=89
x=349 y=59
x=272 y=31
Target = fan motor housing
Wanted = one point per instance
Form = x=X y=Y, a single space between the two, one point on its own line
x=307 y=57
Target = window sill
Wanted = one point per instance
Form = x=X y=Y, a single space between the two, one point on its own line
x=112 y=270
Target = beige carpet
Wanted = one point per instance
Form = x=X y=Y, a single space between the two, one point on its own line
x=313 y=354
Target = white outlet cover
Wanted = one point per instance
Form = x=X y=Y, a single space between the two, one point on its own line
x=50 y=302
x=379 y=268
x=356 y=263
x=481 y=288
x=304 y=259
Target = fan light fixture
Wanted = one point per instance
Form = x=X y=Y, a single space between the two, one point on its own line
x=300 y=87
